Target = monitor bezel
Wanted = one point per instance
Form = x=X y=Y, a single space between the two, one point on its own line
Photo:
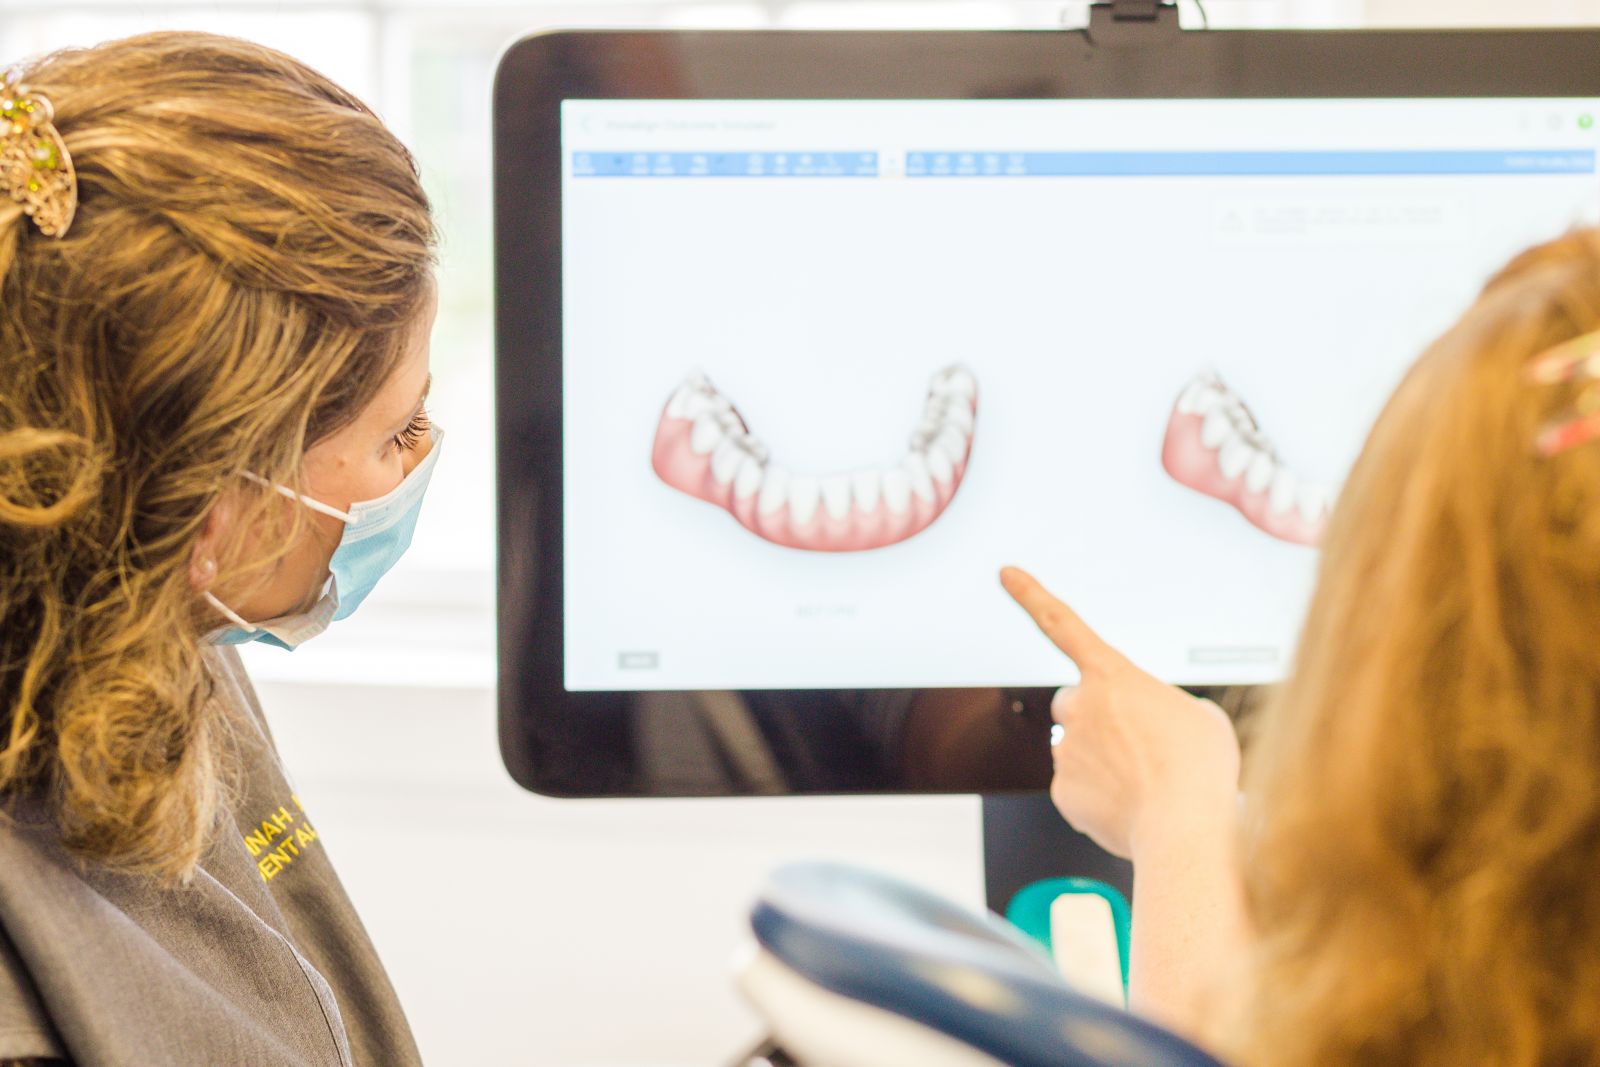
x=577 y=744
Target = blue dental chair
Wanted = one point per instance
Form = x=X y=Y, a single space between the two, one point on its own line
x=854 y=969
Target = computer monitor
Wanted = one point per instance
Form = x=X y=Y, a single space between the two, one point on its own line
x=803 y=336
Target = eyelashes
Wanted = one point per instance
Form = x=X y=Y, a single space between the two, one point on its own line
x=412 y=435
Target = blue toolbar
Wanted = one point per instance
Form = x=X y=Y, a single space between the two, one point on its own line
x=1244 y=164
x=725 y=164
x=1087 y=164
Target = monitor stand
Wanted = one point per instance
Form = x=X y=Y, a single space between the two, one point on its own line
x=1025 y=840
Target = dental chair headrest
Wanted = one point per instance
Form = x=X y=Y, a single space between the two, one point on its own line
x=882 y=943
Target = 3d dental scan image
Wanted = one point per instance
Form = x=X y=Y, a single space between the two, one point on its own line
x=704 y=448
x=1215 y=446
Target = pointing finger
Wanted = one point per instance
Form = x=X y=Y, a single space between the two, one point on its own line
x=1058 y=622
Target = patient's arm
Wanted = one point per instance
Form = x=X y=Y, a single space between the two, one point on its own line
x=1190 y=935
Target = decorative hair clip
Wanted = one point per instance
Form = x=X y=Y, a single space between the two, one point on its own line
x=34 y=165
x=1578 y=359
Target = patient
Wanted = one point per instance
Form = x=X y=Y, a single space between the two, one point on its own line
x=1412 y=878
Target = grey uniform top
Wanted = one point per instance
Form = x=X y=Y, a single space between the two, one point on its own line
x=260 y=961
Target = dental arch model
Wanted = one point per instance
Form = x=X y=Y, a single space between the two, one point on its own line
x=1214 y=446
x=703 y=448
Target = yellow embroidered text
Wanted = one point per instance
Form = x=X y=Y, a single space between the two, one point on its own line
x=280 y=838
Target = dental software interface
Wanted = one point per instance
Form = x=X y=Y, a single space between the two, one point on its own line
x=829 y=364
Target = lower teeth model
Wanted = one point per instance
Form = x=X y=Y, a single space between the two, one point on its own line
x=703 y=448
x=1214 y=446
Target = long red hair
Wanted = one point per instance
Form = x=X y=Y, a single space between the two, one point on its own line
x=1424 y=790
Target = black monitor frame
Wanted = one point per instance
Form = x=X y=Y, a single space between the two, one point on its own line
x=587 y=744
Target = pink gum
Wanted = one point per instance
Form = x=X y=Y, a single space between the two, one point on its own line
x=680 y=467
x=1190 y=462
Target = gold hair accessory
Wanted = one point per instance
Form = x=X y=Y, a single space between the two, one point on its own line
x=1578 y=359
x=34 y=165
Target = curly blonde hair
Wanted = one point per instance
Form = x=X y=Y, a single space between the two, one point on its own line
x=1426 y=785
x=251 y=250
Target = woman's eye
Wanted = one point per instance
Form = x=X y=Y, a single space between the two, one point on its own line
x=412 y=435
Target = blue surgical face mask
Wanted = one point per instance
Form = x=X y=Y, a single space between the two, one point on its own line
x=376 y=534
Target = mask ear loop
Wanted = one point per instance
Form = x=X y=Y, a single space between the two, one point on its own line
x=310 y=502
x=231 y=615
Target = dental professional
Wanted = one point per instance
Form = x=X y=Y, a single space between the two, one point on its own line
x=216 y=293
x=1408 y=876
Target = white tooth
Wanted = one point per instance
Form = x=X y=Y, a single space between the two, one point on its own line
x=916 y=469
x=774 y=490
x=1235 y=456
x=730 y=422
x=1284 y=487
x=689 y=399
x=897 y=490
x=753 y=446
x=678 y=406
x=959 y=415
x=708 y=404
x=1216 y=427
x=688 y=403
x=836 y=495
x=804 y=493
x=748 y=480
x=953 y=443
x=1313 y=501
x=956 y=380
x=702 y=398
x=725 y=459
x=939 y=465
x=707 y=432
x=1260 y=473
x=1201 y=395
x=866 y=486
x=1188 y=400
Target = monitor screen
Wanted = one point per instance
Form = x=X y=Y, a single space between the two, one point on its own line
x=828 y=365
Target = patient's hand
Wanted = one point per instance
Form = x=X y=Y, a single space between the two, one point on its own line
x=1140 y=763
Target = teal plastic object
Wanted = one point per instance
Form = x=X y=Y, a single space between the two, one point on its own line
x=1029 y=911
